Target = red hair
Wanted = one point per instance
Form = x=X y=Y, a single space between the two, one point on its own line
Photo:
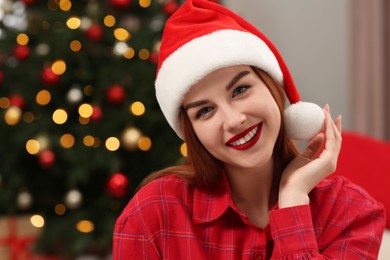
x=204 y=171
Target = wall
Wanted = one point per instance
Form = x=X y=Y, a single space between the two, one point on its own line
x=312 y=36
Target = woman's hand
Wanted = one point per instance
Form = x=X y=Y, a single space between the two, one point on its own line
x=318 y=161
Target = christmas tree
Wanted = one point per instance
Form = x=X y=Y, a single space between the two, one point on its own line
x=79 y=123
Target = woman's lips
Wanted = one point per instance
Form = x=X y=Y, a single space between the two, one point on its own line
x=247 y=139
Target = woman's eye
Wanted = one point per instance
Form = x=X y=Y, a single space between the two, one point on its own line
x=239 y=90
x=203 y=112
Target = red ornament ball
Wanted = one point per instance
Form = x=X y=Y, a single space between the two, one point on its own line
x=21 y=52
x=120 y=3
x=115 y=94
x=97 y=113
x=95 y=32
x=17 y=101
x=154 y=57
x=170 y=7
x=46 y=159
x=29 y=2
x=117 y=185
x=49 y=77
x=2 y=76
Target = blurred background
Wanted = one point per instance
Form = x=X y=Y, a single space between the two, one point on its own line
x=80 y=126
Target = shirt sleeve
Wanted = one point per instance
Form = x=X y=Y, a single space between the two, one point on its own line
x=132 y=235
x=130 y=243
x=348 y=225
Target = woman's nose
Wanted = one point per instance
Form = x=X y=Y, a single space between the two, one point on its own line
x=233 y=118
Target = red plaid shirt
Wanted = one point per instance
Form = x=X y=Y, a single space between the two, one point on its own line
x=168 y=219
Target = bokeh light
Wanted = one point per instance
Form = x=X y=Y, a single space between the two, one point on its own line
x=145 y=143
x=75 y=45
x=22 y=39
x=109 y=20
x=37 y=221
x=59 y=67
x=33 y=146
x=60 y=209
x=60 y=116
x=112 y=144
x=144 y=54
x=43 y=97
x=67 y=140
x=85 y=226
x=85 y=110
x=183 y=149
x=73 y=23
x=121 y=34
x=137 y=108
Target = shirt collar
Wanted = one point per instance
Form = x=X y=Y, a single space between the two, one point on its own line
x=210 y=205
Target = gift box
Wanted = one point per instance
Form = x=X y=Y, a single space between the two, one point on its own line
x=17 y=237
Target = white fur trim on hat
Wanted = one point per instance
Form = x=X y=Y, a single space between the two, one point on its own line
x=203 y=55
x=303 y=120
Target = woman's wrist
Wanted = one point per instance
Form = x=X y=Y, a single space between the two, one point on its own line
x=293 y=198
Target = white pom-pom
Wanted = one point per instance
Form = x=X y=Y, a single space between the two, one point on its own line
x=303 y=120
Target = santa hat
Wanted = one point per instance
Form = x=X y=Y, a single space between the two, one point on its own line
x=201 y=37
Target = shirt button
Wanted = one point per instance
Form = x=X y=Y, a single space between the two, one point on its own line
x=258 y=256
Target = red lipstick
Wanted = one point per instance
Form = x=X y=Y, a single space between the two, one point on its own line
x=247 y=144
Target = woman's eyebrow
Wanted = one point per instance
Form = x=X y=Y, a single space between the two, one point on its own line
x=195 y=104
x=228 y=87
x=236 y=79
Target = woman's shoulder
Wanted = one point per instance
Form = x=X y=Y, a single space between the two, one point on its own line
x=156 y=195
x=338 y=192
x=169 y=185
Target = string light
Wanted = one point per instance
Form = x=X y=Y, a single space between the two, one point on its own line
x=65 y=5
x=121 y=34
x=60 y=116
x=75 y=45
x=112 y=144
x=145 y=143
x=12 y=115
x=67 y=140
x=183 y=149
x=88 y=140
x=88 y=90
x=96 y=142
x=73 y=23
x=130 y=138
x=83 y=120
x=52 y=5
x=33 y=146
x=4 y=102
x=85 y=110
x=129 y=53
x=22 y=39
x=58 y=67
x=144 y=54
x=37 y=221
x=145 y=3
x=60 y=209
x=28 y=117
x=109 y=21
x=43 y=97
x=120 y=48
x=85 y=226
x=137 y=108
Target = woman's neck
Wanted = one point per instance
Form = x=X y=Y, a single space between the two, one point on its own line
x=252 y=191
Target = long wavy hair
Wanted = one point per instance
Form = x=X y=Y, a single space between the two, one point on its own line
x=204 y=171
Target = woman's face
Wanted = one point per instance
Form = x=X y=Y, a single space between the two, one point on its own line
x=234 y=116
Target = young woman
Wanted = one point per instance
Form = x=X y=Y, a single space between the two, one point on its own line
x=245 y=191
